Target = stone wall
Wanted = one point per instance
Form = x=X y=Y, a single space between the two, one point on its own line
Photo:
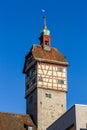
x=51 y=105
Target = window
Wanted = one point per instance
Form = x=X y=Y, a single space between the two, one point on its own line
x=61 y=81
x=48 y=95
x=46 y=42
x=60 y=69
x=30 y=73
x=29 y=128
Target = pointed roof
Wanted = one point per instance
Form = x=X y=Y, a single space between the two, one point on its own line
x=53 y=56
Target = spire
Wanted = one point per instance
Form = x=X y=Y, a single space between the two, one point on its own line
x=45 y=30
x=45 y=36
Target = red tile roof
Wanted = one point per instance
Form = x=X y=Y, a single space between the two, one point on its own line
x=9 y=121
x=52 y=56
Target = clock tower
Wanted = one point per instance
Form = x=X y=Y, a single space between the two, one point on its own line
x=45 y=69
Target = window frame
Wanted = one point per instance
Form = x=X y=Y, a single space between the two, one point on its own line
x=60 y=69
x=60 y=81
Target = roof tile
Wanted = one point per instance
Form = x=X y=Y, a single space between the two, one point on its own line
x=52 y=55
x=9 y=121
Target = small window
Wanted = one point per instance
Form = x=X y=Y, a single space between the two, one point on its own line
x=29 y=128
x=46 y=42
x=30 y=73
x=60 y=69
x=61 y=81
x=48 y=95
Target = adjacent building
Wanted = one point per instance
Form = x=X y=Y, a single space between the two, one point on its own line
x=73 y=119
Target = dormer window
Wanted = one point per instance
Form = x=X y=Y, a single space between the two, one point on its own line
x=29 y=128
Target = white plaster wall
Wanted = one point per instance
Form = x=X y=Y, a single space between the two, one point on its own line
x=81 y=117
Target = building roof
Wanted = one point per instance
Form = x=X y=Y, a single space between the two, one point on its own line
x=52 y=56
x=9 y=121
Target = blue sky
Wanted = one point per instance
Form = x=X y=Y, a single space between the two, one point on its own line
x=20 y=24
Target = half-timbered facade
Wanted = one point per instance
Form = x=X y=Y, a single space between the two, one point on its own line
x=46 y=82
x=52 y=76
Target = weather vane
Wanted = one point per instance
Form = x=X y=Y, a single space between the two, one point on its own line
x=43 y=10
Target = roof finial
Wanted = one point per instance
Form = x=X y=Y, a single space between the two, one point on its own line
x=45 y=30
x=45 y=27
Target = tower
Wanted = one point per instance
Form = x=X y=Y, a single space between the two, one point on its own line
x=46 y=81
